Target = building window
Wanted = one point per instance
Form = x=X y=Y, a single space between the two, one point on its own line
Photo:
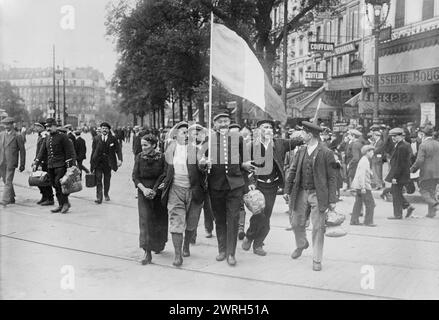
x=339 y=65
x=300 y=46
x=328 y=31
x=317 y=66
x=318 y=33
x=427 y=9
x=354 y=27
x=300 y=75
x=400 y=13
x=339 y=30
x=293 y=48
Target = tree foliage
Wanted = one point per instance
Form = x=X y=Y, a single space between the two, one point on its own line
x=12 y=103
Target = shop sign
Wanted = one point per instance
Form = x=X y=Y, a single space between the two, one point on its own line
x=398 y=97
x=315 y=75
x=321 y=46
x=428 y=113
x=386 y=34
x=417 y=77
x=343 y=49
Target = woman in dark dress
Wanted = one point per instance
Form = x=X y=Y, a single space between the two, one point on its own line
x=148 y=174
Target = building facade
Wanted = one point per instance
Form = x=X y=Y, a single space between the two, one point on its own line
x=84 y=91
x=341 y=74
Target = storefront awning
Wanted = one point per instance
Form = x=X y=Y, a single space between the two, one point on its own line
x=309 y=105
x=354 y=100
x=346 y=83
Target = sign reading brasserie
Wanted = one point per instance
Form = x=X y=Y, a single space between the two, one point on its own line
x=315 y=75
x=321 y=46
x=417 y=77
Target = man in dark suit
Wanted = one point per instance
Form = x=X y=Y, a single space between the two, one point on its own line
x=137 y=147
x=11 y=146
x=184 y=191
x=81 y=151
x=58 y=152
x=268 y=155
x=69 y=131
x=46 y=192
x=377 y=160
x=106 y=155
x=311 y=189
x=399 y=174
x=428 y=162
x=229 y=160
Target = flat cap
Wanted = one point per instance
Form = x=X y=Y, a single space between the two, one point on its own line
x=181 y=124
x=355 y=132
x=196 y=126
x=105 y=124
x=396 y=132
x=68 y=126
x=365 y=149
x=39 y=124
x=410 y=123
x=375 y=127
x=261 y=122
x=309 y=126
x=50 y=122
x=8 y=120
x=235 y=126
x=221 y=115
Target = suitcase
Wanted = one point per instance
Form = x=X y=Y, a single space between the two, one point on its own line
x=90 y=180
x=71 y=182
x=39 y=179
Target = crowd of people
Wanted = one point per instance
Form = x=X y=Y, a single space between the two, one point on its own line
x=182 y=171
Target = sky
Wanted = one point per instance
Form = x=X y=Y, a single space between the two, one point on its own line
x=29 y=29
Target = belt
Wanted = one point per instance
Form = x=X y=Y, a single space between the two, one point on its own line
x=268 y=180
x=304 y=189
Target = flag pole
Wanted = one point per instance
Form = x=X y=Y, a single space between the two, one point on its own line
x=209 y=121
x=317 y=112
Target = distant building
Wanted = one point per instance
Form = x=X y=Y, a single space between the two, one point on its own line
x=84 y=91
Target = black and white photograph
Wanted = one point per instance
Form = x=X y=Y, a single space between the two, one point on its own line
x=219 y=155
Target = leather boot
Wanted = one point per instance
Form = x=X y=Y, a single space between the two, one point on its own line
x=177 y=241
x=186 y=243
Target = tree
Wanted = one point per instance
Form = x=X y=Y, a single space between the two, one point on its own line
x=12 y=103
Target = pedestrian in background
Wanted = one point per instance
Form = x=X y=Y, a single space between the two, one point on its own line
x=81 y=151
x=363 y=186
x=427 y=162
x=11 y=147
x=148 y=174
x=399 y=173
x=106 y=155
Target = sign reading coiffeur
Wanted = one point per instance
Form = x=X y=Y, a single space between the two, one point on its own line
x=321 y=46
x=417 y=77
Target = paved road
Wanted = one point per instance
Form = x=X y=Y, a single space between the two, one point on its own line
x=92 y=253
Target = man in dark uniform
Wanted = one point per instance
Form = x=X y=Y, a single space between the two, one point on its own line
x=228 y=161
x=58 y=152
x=311 y=188
x=105 y=148
x=81 y=151
x=399 y=174
x=46 y=192
x=268 y=154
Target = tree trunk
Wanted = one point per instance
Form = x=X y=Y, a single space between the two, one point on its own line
x=134 y=119
x=180 y=101
x=200 y=106
x=189 y=108
x=162 y=110
x=141 y=118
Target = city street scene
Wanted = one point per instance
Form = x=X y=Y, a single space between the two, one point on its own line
x=219 y=150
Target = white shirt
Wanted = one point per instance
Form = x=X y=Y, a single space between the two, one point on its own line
x=104 y=138
x=311 y=149
x=181 y=175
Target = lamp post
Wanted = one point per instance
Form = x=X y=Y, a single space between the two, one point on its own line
x=377 y=12
x=58 y=75
x=51 y=112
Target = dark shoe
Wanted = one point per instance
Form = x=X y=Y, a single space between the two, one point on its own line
x=221 y=256
x=209 y=234
x=107 y=198
x=231 y=260
x=98 y=201
x=316 y=266
x=41 y=201
x=394 y=218
x=259 y=251
x=147 y=258
x=194 y=240
x=241 y=235
x=355 y=224
x=65 y=208
x=47 y=203
x=56 y=210
x=298 y=252
x=409 y=211
x=370 y=225
x=431 y=216
x=177 y=241
x=246 y=244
